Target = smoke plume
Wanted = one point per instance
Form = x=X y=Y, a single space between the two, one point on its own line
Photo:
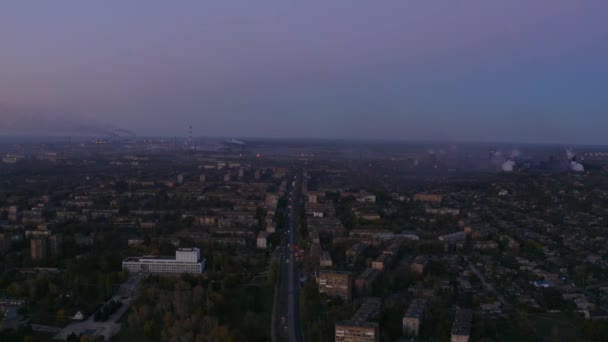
x=574 y=164
x=508 y=166
x=26 y=121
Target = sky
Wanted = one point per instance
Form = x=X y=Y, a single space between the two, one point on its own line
x=516 y=71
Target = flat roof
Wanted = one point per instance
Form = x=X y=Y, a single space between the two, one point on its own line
x=357 y=324
x=416 y=309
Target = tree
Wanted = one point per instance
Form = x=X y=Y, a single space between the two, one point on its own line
x=310 y=304
x=73 y=338
x=61 y=316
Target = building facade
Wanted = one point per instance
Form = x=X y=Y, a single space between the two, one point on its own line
x=336 y=284
x=413 y=317
x=353 y=331
x=186 y=260
x=39 y=248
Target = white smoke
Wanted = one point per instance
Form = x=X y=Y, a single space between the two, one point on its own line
x=574 y=164
x=508 y=166
x=570 y=154
x=17 y=120
x=515 y=154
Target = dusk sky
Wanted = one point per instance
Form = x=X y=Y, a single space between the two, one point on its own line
x=519 y=71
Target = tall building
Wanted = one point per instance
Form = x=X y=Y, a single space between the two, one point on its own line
x=413 y=317
x=336 y=284
x=186 y=260
x=38 y=247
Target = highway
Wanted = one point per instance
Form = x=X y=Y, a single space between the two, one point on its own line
x=290 y=284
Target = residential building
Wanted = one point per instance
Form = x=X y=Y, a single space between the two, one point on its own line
x=360 y=328
x=413 y=317
x=461 y=329
x=336 y=284
x=429 y=198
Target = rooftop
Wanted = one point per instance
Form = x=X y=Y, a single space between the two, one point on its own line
x=416 y=309
x=462 y=322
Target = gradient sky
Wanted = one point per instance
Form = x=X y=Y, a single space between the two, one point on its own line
x=529 y=71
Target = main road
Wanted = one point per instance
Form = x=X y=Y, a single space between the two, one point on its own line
x=290 y=280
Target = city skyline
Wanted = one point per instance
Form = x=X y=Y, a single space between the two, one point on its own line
x=478 y=71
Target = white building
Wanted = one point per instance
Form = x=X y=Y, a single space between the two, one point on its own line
x=186 y=260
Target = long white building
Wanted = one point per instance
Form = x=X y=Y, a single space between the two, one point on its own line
x=186 y=260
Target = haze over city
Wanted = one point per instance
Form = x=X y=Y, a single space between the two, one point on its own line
x=313 y=171
x=514 y=71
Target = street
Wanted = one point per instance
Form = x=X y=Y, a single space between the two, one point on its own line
x=290 y=285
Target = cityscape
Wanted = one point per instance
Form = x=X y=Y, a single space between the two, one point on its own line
x=144 y=239
x=318 y=171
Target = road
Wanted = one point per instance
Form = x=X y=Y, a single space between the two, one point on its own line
x=290 y=284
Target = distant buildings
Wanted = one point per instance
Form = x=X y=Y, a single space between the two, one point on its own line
x=428 y=198
x=336 y=284
x=413 y=317
x=453 y=237
x=443 y=211
x=43 y=246
x=186 y=260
